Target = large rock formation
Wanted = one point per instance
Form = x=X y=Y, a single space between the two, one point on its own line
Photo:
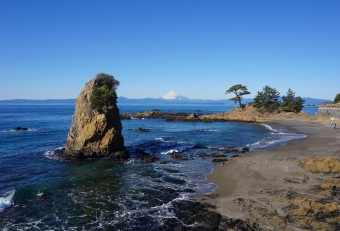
x=93 y=134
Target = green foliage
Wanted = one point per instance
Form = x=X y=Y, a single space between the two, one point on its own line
x=107 y=80
x=337 y=98
x=104 y=93
x=239 y=90
x=291 y=103
x=268 y=99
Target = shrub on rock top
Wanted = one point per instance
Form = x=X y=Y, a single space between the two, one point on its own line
x=104 y=94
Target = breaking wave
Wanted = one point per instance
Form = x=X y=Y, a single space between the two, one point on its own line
x=6 y=200
x=276 y=137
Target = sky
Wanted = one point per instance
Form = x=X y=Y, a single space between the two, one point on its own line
x=197 y=48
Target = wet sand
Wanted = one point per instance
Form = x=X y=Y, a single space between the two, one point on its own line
x=252 y=175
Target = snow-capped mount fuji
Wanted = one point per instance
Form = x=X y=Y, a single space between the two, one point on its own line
x=172 y=95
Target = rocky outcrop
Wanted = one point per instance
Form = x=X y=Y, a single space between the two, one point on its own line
x=20 y=129
x=321 y=164
x=248 y=114
x=296 y=206
x=93 y=134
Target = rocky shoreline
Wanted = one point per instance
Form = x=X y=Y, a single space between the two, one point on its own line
x=270 y=190
x=180 y=116
x=156 y=114
x=294 y=187
x=248 y=114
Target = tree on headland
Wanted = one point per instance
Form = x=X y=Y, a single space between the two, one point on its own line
x=337 y=98
x=268 y=99
x=290 y=103
x=104 y=93
x=239 y=90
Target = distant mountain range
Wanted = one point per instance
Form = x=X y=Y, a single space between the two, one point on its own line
x=174 y=96
x=169 y=98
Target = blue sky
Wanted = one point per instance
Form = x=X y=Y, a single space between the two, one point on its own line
x=198 y=48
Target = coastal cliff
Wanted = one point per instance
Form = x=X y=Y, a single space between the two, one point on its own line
x=95 y=134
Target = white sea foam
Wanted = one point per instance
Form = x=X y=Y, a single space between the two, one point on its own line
x=6 y=200
x=12 y=130
x=32 y=129
x=49 y=154
x=208 y=130
x=160 y=139
x=276 y=137
x=28 y=130
x=130 y=162
x=269 y=127
x=178 y=149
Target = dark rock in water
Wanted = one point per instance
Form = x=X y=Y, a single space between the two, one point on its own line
x=120 y=155
x=217 y=155
x=186 y=210
x=163 y=162
x=231 y=150
x=192 y=215
x=170 y=170
x=20 y=129
x=143 y=130
x=173 y=180
x=177 y=156
x=142 y=152
x=244 y=150
x=217 y=149
x=139 y=130
x=148 y=158
x=220 y=160
x=226 y=150
x=232 y=156
x=60 y=153
x=196 y=216
x=212 y=155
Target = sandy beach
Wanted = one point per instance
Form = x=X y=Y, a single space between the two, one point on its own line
x=276 y=190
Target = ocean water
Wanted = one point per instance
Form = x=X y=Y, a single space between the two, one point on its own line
x=40 y=192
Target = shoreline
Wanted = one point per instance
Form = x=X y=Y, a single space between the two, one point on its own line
x=254 y=186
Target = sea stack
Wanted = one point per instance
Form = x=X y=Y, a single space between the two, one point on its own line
x=96 y=129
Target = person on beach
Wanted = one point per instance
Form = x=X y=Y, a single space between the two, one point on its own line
x=334 y=126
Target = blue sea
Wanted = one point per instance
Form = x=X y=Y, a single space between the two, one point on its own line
x=41 y=192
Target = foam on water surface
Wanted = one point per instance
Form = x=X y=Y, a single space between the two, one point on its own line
x=6 y=200
x=277 y=137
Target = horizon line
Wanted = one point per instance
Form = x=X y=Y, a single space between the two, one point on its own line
x=159 y=98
